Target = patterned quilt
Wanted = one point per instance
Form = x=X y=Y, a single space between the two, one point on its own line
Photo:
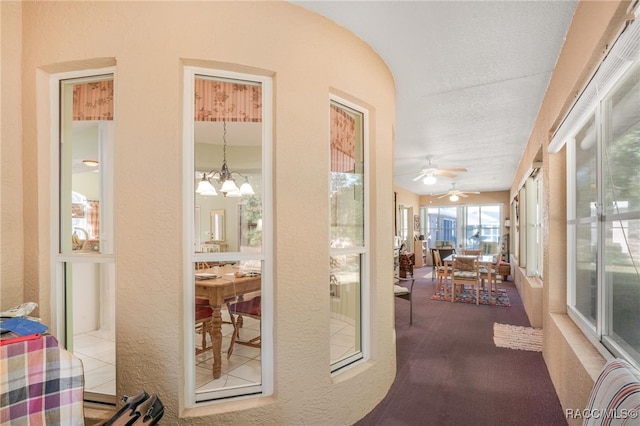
x=40 y=384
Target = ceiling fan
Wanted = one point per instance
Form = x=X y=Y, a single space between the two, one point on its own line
x=429 y=173
x=454 y=194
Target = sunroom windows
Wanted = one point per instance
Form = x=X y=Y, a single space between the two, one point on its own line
x=603 y=218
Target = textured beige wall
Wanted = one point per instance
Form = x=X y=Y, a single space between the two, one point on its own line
x=571 y=360
x=11 y=205
x=308 y=57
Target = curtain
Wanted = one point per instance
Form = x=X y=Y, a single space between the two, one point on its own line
x=343 y=137
x=93 y=219
x=93 y=101
x=227 y=101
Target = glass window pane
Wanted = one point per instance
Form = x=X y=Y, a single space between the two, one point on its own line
x=228 y=164
x=586 y=170
x=227 y=337
x=228 y=220
x=86 y=230
x=347 y=178
x=586 y=276
x=490 y=223
x=472 y=230
x=623 y=282
x=91 y=323
x=345 y=298
x=621 y=179
x=346 y=230
x=86 y=127
x=442 y=227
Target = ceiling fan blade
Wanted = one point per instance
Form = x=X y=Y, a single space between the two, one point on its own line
x=455 y=170
x=420 y=176
x=445 y=173
x=407 y=174
x=462 y=194
x=443 y=195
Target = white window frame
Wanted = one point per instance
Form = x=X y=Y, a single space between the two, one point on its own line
x=188 y=189
x=364 y=251
x=533 y=226
x=610 y=74
x=59 y=260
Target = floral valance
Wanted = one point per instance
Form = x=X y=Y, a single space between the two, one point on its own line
x=227 y=101
x=343 y=140
x=93 y=101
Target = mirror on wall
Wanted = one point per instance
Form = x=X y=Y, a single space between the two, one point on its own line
x=217 y=225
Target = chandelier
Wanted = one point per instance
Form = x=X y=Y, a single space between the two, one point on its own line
x=224 y=176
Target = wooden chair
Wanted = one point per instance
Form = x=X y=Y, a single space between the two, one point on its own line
x=443 y=252
x=469 y=252
x=441 y=271
x=204 y=324
x=466 y=271
x=491 y=271
x=238 y=309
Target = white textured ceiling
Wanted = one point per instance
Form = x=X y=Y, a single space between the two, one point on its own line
x=470 y=77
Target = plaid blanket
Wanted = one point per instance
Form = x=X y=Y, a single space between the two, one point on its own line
x=40 y=384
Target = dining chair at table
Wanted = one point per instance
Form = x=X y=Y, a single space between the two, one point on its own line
x=466 y=271
x=442 y=271
x=490 y=272
x=470 y=252
x=204 y=324
x=239 y=308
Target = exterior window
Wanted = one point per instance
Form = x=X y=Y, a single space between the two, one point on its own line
x=478 y=226
x=348 y=246
x=482 y=226
x=533 y=228
x=441 y=226
x=228 y=274
x=84 y=273
x=404 y=225
x=605 y=154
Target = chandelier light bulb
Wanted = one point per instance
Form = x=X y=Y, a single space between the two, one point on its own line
x=229 y=185
x=246 y=189
x=205 y=187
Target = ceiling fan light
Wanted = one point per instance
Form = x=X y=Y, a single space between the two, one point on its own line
x=430 y=180
x=454 y=198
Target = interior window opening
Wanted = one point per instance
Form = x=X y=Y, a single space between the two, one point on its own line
x=85 y=228
x=347 y=249
x=229 y=263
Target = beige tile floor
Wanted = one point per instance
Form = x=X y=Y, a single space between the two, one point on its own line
x=342 y=339
x=244 y=367
x=97 y=351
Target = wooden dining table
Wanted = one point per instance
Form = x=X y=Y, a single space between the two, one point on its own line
x=219 y=284
x=487 y=260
